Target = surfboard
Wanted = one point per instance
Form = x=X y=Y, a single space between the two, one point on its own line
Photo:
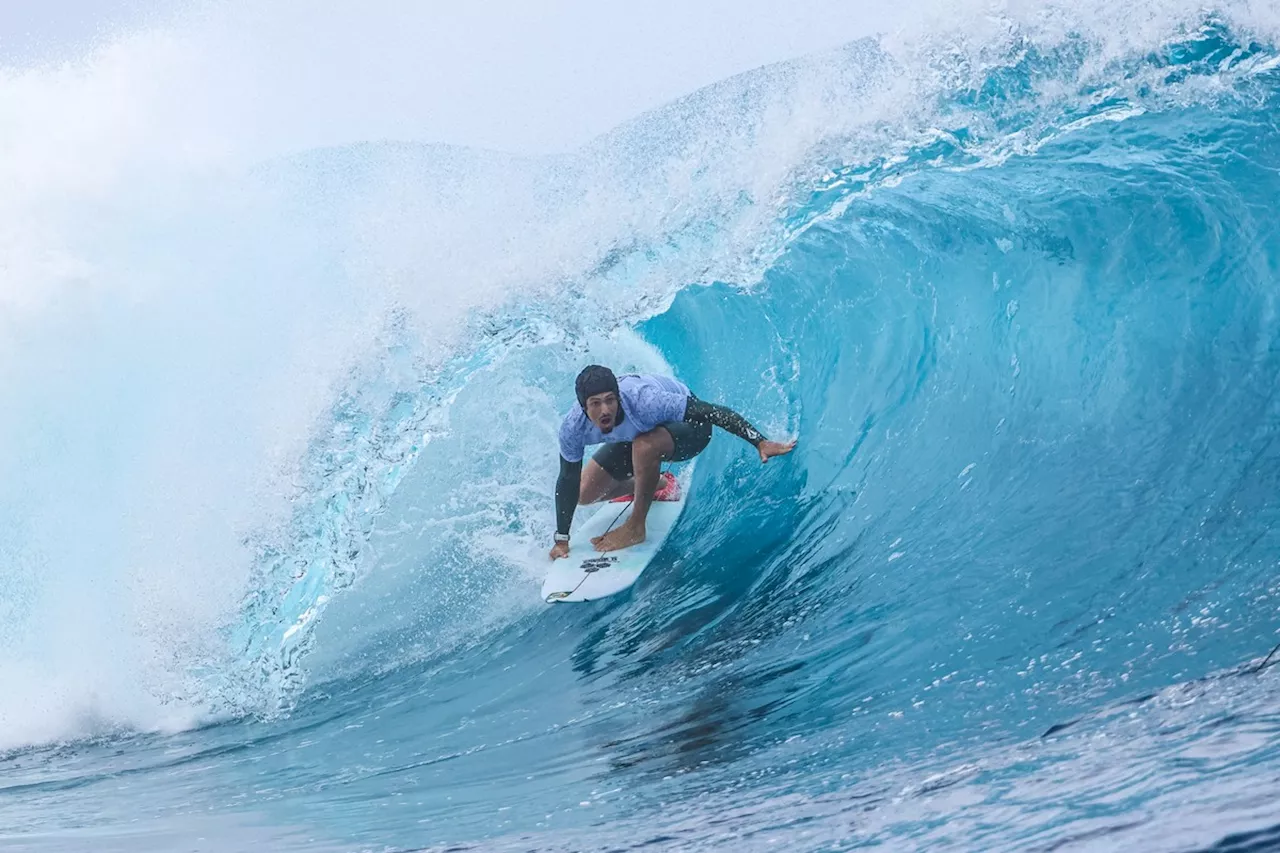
x=588 y=575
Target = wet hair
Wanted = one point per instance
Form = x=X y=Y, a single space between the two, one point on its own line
x=594 y=379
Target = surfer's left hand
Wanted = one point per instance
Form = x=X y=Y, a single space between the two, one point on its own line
x=769 y=449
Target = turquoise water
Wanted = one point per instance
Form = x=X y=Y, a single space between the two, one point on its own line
x=271 y=576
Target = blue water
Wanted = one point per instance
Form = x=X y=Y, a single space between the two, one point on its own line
x=1014 y=589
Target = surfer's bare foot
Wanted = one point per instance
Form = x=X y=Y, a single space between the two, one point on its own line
x=624 y=537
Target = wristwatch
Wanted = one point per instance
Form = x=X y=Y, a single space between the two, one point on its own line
x=562 y=537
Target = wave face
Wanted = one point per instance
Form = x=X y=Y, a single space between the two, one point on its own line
x=279 y=494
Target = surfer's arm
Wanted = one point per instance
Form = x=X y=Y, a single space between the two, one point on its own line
x=568 y=487
x=701 y=412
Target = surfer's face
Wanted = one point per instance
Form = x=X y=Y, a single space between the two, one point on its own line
x=602 y=409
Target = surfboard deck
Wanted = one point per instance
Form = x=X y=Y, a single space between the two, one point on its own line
x=588 y=575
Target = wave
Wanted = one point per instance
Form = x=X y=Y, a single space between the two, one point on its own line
x=1009 y=283
x=828 y=193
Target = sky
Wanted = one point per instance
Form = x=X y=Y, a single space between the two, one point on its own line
x=43 y=29
x=526 y=77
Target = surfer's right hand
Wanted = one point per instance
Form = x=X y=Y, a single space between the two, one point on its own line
x=770 y=449
x=561 y=549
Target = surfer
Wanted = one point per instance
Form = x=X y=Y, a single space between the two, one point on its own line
x=642 y=421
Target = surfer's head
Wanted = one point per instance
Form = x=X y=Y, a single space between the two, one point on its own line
x=597 y=389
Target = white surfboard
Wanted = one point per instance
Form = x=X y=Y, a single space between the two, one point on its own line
x=588 y=575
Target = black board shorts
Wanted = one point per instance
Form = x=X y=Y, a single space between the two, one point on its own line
x=689 y=439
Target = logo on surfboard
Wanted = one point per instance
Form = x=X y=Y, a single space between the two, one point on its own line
x=595 y=564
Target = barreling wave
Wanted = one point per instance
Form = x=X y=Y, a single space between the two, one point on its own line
x=989 y=107
x=1012 y=286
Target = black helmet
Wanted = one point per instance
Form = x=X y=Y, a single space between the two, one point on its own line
x=594 y=379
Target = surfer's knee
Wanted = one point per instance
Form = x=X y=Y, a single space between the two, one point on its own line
x=655 y=442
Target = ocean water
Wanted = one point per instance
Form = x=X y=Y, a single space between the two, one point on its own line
x=278 y=452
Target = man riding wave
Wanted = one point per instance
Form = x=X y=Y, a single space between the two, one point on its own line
x=642 y=421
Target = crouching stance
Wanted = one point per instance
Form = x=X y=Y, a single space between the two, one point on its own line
x=642 y=421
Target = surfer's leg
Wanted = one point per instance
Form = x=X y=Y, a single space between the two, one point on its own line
x=595 y=483
x=647 y=452
x=607 y=475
